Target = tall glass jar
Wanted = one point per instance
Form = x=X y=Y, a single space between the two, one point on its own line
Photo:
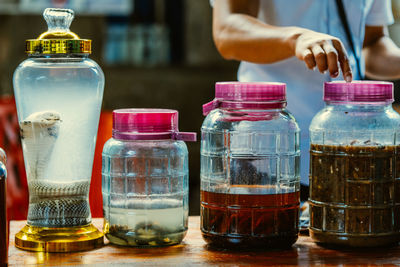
x=58 y=92
x=145 y=179
x=3 y=213
x=355 y=166
x=249 y=167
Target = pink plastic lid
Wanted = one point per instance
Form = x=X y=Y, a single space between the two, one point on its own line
x=247 y=95
x=372 y=92
x=148 y=124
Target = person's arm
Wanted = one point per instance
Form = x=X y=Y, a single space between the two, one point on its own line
x=382 y=56
x=239 y=35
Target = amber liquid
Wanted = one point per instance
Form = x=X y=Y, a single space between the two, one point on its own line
x=3 y=224
x=355 y=195
x=250 y=221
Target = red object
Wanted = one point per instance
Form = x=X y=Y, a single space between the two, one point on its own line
x=17 y=186
x=104 y=133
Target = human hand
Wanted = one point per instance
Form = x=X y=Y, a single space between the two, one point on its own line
x=324 y=51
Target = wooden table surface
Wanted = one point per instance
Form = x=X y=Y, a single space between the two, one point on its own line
x=193 y=251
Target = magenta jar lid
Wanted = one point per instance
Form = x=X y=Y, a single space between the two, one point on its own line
x=148 y=124
x=371 y=92
x=248 y=95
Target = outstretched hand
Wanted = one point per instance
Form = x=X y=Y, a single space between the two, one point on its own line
x=324 y=51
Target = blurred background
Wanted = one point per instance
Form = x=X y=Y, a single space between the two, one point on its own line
x=154 y=53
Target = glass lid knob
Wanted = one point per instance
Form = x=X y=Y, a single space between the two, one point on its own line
x=58 y=22
x=58 y=19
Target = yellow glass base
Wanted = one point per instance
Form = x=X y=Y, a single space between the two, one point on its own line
x=66 y=239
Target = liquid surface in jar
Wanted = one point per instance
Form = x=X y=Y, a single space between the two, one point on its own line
x=355 y=195
x=249 y=220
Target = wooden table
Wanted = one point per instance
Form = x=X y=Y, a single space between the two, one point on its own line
x=193 y=251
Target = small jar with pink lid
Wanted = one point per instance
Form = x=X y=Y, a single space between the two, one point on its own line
x=145 y=179
x=355 y=166
x=250 y=180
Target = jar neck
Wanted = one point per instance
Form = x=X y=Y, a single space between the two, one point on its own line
x=251 y=105
x=252 y=110
x=59 y=56
x=176 y=136
x=242 y=105
x=359 y=106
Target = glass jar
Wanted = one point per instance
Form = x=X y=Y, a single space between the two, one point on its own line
x=355 y=165
x=250 y=159
x=58 y=92
x=145 y=179
x=3 y=213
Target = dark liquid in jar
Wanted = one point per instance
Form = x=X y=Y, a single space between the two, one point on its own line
x=3 y=224
x=249 y=221
x=355 y=195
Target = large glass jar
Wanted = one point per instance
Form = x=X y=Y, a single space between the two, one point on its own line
x=58 y=92
x=355 y=166
x=3 y=213
x=249 y=167
x=145 y=179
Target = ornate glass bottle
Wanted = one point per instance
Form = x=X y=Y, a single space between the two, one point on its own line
x=58 y=92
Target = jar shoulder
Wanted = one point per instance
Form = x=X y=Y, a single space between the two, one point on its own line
x=276 y=120
x=353 y=119
x=121 y=148
x=54 y=63
x=40 y=66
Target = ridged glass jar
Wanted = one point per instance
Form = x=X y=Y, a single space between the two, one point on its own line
x=355 y=166
x=250 y=176
x=145 y=179
x=58 y=92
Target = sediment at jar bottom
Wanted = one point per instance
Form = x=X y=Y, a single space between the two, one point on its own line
x=234 y=242
x=57 y=204
x=343 y=240
x=355 y=195
x=143 y=235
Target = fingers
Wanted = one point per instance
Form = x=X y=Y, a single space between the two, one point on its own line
x=308 y=58
x=320 y=58
x=343 y=60
x=329 y=56
x=332 y=59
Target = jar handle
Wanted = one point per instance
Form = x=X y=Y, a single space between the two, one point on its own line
x=208 y=107
x=185 y=136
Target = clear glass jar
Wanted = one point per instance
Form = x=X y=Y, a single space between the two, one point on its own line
x=3 y=213
x=355 y=164
x=145 y=179
x=250 y=176
x=58 y=92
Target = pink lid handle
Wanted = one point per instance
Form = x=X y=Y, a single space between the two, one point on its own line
x=185 y=136
x=210 y=106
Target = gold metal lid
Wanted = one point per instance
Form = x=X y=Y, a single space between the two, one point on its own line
x=58 y=39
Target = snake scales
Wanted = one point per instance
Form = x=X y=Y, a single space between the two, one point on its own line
x=58 y=204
